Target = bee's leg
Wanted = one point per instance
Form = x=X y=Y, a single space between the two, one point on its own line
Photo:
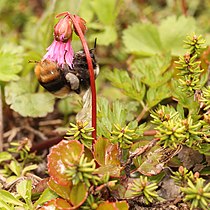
x=73 y=81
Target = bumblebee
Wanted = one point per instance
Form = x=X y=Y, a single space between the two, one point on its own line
x=61 y=81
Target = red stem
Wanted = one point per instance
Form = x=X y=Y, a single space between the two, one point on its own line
x=91 y=72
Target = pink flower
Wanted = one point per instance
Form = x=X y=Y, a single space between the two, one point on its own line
x=60 y=51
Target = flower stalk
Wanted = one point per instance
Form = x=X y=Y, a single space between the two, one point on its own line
x=90 y=68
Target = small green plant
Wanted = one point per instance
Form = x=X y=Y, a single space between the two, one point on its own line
x=22 y=198
x=122 y=136
x=142 y=187
x=182 y=176
x=80 y=131
x=82 y=171
x=18 y=167
x=197 y=193
x=189 y=66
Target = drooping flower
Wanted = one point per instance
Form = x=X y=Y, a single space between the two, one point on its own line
x=60 y=51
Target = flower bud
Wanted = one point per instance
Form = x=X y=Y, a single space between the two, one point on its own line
x=82 y=24
x=63 y=30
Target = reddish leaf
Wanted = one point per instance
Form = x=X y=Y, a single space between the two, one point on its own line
x=63 y=191
x=122 y=205
x=78 y=194
x=113 y=170
x=106 y=153
x=50 y=205
x=62 y=204
x=107 y=206
x=63 y=154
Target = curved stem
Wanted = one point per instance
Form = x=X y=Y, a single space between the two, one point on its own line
x=91 y=72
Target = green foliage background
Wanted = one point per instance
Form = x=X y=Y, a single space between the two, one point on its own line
x=137 y=42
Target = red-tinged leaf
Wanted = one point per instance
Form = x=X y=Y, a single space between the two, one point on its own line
x=107 y=206
x=78 y=194
x=50 y=205
x=63 y=204
x=63 y=191
x=106 y=153
x=61 y=156
x=122 y=205
x=114 y=171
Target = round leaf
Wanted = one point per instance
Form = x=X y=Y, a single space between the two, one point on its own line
x=78 y=194
x=63 y=191
x=63 y=154
x=106 y=153
x=21 y=99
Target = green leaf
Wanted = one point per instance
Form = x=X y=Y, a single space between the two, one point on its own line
x=62 y=191
x=152 y=71
x=5 y=156
x=102 y=147
x=142 y=39
x=15 y=167
x=184 y=100
x=132 y=87
x=62 y=204
x=5 y=206
x=21 y=99
x=69 y=104
x=107 y=205
x=108 y=14
x=156 y=95
x=9 y=198
x=45 y=196
x=86 y=12
x=29 y=168
x=11 y=58
x=24 y=189
x=122 y=205
x=173 y=31
x=106 y=36
x=78 y=194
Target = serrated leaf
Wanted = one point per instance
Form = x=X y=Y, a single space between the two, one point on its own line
x=142 y=39
x=9 y=198
x=21 y=99
x=131 y=87
x=173 y=31
x=152 y=71
x=11 y=58
x=184 y=100
x=108 y=14
x=106 y=36
x=156 y=95
x=86 y=12
x=45 y=196
x=62 y=155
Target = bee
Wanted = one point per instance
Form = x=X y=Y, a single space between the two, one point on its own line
x=80 y=68
x=61 y=81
